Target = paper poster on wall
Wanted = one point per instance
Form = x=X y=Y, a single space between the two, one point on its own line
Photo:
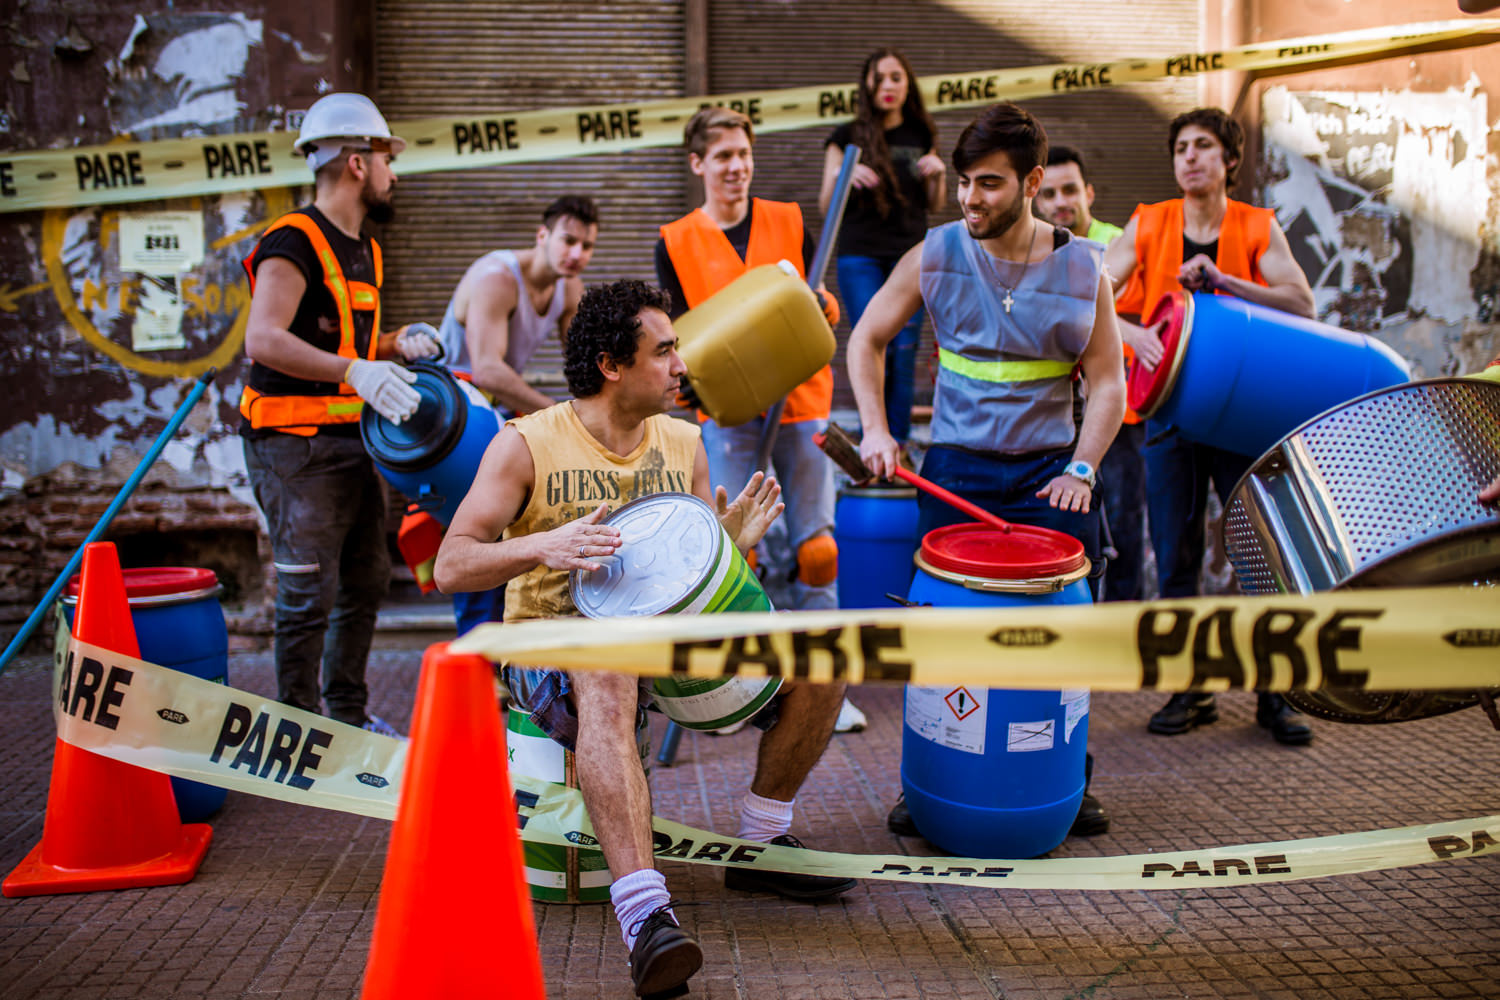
x=158 y=317
x=160 y=242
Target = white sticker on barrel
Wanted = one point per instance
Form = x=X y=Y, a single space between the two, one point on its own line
x=949 y=717
x=1075 y=706
x=1025 y=737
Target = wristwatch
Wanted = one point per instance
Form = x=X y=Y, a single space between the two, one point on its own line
x=1082 y=471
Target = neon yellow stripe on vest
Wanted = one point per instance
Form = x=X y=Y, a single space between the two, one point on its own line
x=1003 y=371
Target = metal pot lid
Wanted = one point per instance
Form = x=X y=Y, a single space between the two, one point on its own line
x=1023 y=553
x=670 y=544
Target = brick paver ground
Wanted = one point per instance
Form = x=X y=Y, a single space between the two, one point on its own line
x=285 y=901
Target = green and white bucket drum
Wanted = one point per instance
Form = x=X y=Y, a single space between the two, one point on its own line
x=676 y=559
x=557 y=874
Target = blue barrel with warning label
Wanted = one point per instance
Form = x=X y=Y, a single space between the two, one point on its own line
x=992 y=772
x=179 y=623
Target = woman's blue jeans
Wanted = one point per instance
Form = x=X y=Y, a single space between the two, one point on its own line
x=859 y=279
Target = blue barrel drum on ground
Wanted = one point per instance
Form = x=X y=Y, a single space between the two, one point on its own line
x=876 y=531
x=1240 y=376
x=991 y=772
x=179 y=623
x=433 y=455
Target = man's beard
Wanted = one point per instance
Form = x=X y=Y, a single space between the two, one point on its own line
x=1002 y=223
x=378 y=210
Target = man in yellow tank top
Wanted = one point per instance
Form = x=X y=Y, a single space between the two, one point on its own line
x=535 y=514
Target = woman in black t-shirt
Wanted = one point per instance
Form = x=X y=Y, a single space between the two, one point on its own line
x=898 y=180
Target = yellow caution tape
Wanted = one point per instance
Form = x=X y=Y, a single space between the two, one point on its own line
x=148 y=715
x=1429 y=639
x=140 y=171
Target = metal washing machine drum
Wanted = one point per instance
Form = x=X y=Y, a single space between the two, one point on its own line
x=1381 y=491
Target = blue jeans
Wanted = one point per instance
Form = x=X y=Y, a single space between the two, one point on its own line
x=478 y=607
x=1122 y=490
x=1006 y=485
x=324 y=506
x=806 y=477
x=1178 y=473
x=859 y=279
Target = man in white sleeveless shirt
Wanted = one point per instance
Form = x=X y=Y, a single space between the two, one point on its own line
x=510 y=301
x=506 y=305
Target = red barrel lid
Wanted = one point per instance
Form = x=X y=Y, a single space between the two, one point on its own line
x=1149 y=387
x=1023 y=553
x=159 y=581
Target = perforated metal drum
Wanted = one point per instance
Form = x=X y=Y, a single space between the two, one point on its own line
x=1381 y=491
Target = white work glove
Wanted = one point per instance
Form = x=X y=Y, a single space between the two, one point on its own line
x=386 y=386
x=417 y=341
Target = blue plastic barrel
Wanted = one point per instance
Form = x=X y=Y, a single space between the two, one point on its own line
x=432 y=456
x=178 y=624
x=992 y=772
x=876 y=531
x=1240 y=376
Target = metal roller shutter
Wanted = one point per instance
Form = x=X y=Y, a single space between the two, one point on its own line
x=1121 y=133
x=438 y=57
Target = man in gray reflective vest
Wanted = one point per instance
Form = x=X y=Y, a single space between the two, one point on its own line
x=1016 y=305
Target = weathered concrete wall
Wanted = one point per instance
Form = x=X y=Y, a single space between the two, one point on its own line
x=1386 y=177
x=97 y=353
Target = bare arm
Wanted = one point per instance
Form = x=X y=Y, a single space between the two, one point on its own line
x=474 y=557
x=1286 y=287
x=1102 y=412
x=1119 y=258
x=883 y=318
x=487 y=334
x=934 y=179
x=572 y=295
x=279 y=286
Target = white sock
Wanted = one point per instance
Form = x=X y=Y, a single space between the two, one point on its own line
x=763 y=819
x=636 y=896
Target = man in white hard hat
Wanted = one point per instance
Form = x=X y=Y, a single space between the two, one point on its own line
x=317 y=356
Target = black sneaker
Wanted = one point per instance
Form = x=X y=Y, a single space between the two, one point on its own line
x=789 y=885
x=664 y=957
x=1183 y=711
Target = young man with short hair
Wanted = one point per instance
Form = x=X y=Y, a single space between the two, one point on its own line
x=1204 y=241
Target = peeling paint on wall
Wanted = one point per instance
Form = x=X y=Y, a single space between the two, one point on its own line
x=179 y=70
x=1384 y=197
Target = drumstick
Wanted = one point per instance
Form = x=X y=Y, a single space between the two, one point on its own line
x=839 y=446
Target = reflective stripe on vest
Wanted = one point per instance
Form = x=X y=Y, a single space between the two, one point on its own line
x=304 y=414
x=1003 y=371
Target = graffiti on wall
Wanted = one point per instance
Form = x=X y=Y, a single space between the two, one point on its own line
x=1384 y=197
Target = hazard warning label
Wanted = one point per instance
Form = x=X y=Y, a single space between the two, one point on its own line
x=948 y=716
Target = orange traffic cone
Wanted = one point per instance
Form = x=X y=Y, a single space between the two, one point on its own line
x=109 y=825
x=455 y=916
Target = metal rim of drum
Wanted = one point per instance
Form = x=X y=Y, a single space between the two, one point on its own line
x=371 y=424
x=1160 y=388
x=578 y=579
x=878 y=492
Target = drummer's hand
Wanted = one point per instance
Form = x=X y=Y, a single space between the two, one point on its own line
x=1145 y=341
x=752 y=512
x=1067 y=493
x=578 y=543
x=1200 y=274
x=880 y=453
x=1491 y=493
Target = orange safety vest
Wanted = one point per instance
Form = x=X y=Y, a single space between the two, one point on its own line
x=304 y=414
x=1243 y=236
x=705 y=262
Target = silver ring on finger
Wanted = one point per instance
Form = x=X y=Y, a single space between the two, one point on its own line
x=580 y=551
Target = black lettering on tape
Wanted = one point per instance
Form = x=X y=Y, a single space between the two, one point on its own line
x=681 y=849
x=485 y=136
x=1272 y=864
x=745 y=854
x=1334 y=636
x=1222 y=866
x=1153 y=643
x=254 y=745
x=659 y=841
x=66 y=691
x=288 y=734
x=803 y=645
x=714 y=850
x=683 y=651
x=232 y=730
x=1073 y=77
x=873 y=639
x=113 y=697
x=1269 y=640
x=237 y=159
x=1214 y=655
x=85 y=687
x=741 y=654
x=836 y=103
x=7 y=180
x=316 y=739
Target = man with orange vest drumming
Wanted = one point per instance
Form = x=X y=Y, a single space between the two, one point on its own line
x=317 y=357
x=699 y=254
x=1201 y=242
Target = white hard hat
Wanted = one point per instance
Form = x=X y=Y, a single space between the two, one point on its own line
x=348 y=118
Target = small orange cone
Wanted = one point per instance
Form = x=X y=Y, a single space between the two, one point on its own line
x=455 y=916
x=109 y=825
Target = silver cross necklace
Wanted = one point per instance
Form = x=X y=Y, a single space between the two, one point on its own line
x=1010 y=299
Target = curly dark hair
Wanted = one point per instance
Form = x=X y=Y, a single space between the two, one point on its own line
x=1218 y=123
x=607 y=324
